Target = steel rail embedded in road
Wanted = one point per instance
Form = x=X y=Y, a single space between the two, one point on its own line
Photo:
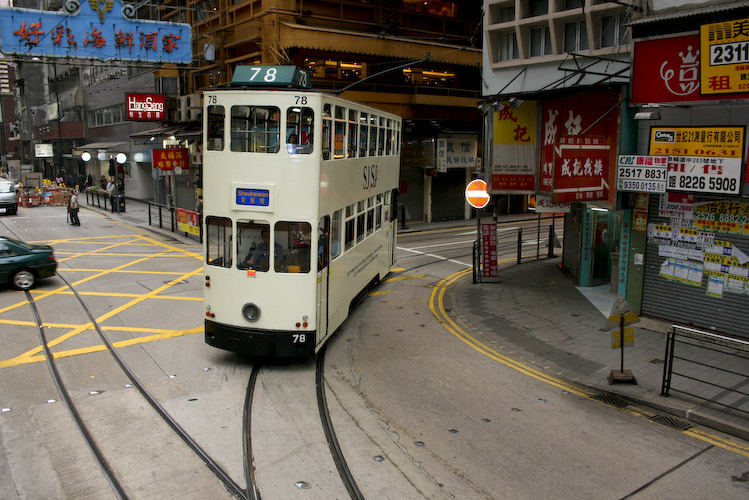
x=335 y=449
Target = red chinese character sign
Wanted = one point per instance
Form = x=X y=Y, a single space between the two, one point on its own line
x=168 y=159
x=513 y=150
x=581 y=169
x=490 y=267
x=145 y=107
x=593 y=116
x=668 y=70
x=100 y=30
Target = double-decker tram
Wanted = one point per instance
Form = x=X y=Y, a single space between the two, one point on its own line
x=299 y=192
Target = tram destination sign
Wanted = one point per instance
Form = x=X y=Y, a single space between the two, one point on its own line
x=642 y=173
x=253 y=197
x=271 y=76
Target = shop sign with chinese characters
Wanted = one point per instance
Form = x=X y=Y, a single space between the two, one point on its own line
x=490 y=269
x=724 y=57
x=95 y=30
x=456 y=151
x=169 y=159
x=513 y=150
x=727 y=142
x=668 y=70
x=145 y=107
x=581 y=169
x=641 y=173
x=704 y=175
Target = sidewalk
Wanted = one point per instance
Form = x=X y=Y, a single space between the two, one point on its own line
x=537 y=315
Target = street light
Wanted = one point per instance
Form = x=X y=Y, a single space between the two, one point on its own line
x=86 y=156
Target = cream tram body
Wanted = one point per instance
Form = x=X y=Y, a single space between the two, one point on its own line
x=327 y=201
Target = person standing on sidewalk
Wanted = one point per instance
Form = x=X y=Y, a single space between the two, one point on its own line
x=73 y=208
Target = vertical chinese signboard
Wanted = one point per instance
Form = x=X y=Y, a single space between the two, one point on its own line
x=490 y=269
x=513 y=161
x=592 y=117
x=724 y=57
x=99 y=30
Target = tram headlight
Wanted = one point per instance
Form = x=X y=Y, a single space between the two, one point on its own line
x=251 y=312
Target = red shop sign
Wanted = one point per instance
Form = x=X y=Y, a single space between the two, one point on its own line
x=668 y=70
x=145 y=107
x=581 y=169
x=167 y=159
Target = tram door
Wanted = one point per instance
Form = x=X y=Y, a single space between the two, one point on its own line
x=323 y=260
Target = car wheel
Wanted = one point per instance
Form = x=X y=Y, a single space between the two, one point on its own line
x=23 y=279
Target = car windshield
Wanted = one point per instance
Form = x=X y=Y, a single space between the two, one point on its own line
x=6 y=187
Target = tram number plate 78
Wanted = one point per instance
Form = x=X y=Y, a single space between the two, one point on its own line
x=299 y=338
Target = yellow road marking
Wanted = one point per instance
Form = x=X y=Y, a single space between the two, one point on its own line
x=438 y=310
x=112 y=254
x=131 y=271
x=83 y=239
x=379 y=292
x=130 y=295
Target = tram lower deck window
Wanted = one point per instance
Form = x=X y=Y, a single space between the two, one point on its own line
x=253 y=246
x=295 y=240
x=218 y=241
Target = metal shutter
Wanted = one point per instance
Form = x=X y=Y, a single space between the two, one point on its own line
x=690 y=305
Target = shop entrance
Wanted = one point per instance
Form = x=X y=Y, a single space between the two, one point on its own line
x=605 y=245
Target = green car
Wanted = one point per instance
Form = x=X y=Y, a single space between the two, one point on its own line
x=22 y=264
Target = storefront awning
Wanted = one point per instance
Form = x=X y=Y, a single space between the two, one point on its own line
x=158 y=132
x=311 y=37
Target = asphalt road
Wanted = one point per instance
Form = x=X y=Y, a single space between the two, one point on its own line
x=418 y=413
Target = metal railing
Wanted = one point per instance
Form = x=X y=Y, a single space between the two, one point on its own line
x=94 y=197
x=164 y=211
x=513 y=240
x=712 y=368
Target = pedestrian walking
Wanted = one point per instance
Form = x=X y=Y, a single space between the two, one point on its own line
x=73 y=208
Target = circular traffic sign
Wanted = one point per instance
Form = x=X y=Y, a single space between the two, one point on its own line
x=476 y=194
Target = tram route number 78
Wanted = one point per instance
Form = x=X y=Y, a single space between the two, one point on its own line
x=299 y=338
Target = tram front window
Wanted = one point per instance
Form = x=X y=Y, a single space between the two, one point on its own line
x=255 y=129
x=253 y=246
x=218 y=241
x=295 y=239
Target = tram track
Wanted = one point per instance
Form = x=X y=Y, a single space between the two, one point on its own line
x=114 y=478
x=347 y=478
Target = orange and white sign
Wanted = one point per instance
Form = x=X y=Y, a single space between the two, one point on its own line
x=476 y=194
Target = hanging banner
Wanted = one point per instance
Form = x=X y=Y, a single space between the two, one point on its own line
x=594 y=115
x=100 y=30
x=581 y=170
x=456 y=151
x=724 y=57
x=514 y=165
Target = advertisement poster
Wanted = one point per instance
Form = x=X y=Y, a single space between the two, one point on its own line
x=591 y=115
x=695 y=174
x=513 y=163
x=724 y=57
x=640 y=173
x=668 y=70
x=714 y=142
x=188 y=221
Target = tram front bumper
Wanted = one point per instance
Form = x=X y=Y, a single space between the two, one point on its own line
x=255 y=342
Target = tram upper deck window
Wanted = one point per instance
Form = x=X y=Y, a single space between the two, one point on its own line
x=255 y=129
x=363 y=133
x=216 y=116
x=218 y=241
x=294 y=238
x=372 y=135
x=299 y=130
x=253 y=246
x=381 y=139
x=353 y=126
x=339 y=136
x=389 y=137
x=326 y=127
